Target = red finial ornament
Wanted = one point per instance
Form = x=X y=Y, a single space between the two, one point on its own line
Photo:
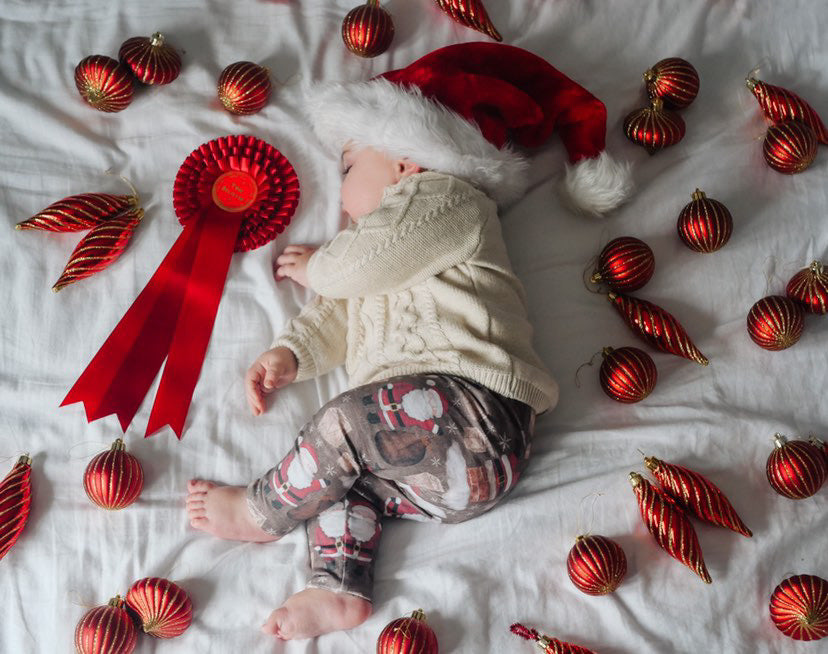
x=796 y=469
x=151 y=59
x=106 y=630
x=799 y=607
x=164 y=608
x=782 y=106
x=704 y=225
x=470 y=13
x=244 y=87
x=547 y=644
x=15 y=501
x=625 y=264
x=654 y=128
x=408 y=636
x=789 y=148
x=368 y=30
x=113 y=479
x=596 y=565
x=104 y=83
x=809 y=287
x=627 y=374
x=674 y=80
x=775 y=322
x=79 y=212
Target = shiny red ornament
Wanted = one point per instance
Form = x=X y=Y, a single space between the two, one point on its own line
x=796 y=469
x=789 y=148
x=113 y=479
x=163 y=607
x=106 y=630
x=654 y=128
x=368 y=30
x=244 y=87
x=656 y=326
x=408 y=636
x=704 y=225
x=674 y=80
x=697 y=494
x=799 y=607
x=596 y=565
x=822 y=445
x=625 y=264
x=782 y=106
x=470 y=13
x=99 y=248
x=775 y=322
x=15 y=501
x=627 y=374
x=809 y=287
x=79 y=212
x=547 y=644
x=104 y=83
x=151 y=60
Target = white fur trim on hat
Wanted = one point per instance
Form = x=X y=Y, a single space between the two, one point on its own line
x=597 y=185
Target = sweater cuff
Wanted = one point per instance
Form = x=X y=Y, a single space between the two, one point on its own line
x=306 y=366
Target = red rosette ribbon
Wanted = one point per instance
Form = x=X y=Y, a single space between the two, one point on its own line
x=232 y=194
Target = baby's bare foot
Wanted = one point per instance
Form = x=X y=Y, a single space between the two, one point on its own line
x=313 y=612
x=222 y=511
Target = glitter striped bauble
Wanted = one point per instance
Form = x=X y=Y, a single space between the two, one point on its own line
x=164 y=608
x=625 y=264
x=79 y=212
x=596 y=565
x=775 y=322
x=796 y=469
x=704 y=225
x=106 y=630
x=656 y=326
x=654 y=128
x=15 y=501
x=470 y=13
x=151 y=60
x=113 y=479
x=697 y=494
x=809 y=287
x=799 y=607
x=627 y=374
x=789 y=147
x=781 y=106
x=104 y=83
x=674 y=80
x=99 y=248
x=408 y=636
x=244 y=87
x=368 y=30
x=547 y=644
x=669 y=525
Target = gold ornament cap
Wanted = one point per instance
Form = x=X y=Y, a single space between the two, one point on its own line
x=635 y=479
x=118 y=445
x=157 y=39
x=779 y=441
x=698 y=194
x=751 y=82
x=25 y=459
x=652 y=463
x=116 y=601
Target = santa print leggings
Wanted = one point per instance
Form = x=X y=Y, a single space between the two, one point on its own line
x=425 y=447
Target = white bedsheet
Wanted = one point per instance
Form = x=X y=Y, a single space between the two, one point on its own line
x=473 y=579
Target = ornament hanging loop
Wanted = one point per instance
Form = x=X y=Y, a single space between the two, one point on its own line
x=589 y=363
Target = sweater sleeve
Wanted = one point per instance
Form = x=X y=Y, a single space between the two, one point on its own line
x=317 y=337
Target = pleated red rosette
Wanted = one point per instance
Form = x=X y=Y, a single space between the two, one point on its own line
x=106 y=630
x=234 y=193
x=799 y=607
x=547 y=644
x=164 y=608
x=15 y=500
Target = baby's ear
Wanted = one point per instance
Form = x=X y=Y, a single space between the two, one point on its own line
x=406 y=168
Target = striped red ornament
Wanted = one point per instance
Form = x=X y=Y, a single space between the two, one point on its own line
x=796 y=469
x=547 y=644
x=674 y=80
x=470 y=13
x=625 y=264
x=704 y=225
x=15 y=501
x=79 y=212
x=151 y=59
x=775 y=322
x=799 y=607
x=656 y=326
x=164 y=608
x=697 y=494
x=368 y=30
x=113 y=479
x=627 y=374
x=822 y=445
x=654 y=128
x=782 y=106
x=106 y=630
x=244 y=87
x=789 y=147
x=809 y=287
x=408 y=636
x=596 y=564
x=104 y=83
x=669 y=525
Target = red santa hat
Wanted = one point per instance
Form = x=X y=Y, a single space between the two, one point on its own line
x=457 y=109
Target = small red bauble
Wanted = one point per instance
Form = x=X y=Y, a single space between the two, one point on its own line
x=796 y=469
x=106 y=630
x=775 y=322
x=408 y=636
x=596 y=565
x=809 y=287
x=164 y=608
x=114 y=479
x=799 y=607
x=244 y=87
x=781 y=106
x=789 y=147
x=15 y=501
x=368 y=30
x=625 y=264
x=627 y=374
x=704 y=225
x=151 y=60
x=674 y=80
x=470 y=13
x=79 y=212
x=104 y=83
x=654 y=128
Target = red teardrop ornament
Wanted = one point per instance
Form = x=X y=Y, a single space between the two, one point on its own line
x=796 y=469
x=799 y=607
x=627 y=374
x=79 y=212
x=113 y=479
x=368 y=30
x=809 y=287
x=470 y=13
x=408 y=636
x=674 y=80
x=596 y=565
x=244 y=87
x=704 y=225
x=625 y=264
x=106 y=630
x=775 y=322
x=547 y=644
x=151 y=60
x=782 y=106
x=654 y=128
x=164 y=608
x=15 y=501
x=104 y=83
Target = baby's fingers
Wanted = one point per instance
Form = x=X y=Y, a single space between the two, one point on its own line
x=297 y=249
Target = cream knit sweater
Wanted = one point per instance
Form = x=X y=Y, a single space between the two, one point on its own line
x=422 y=284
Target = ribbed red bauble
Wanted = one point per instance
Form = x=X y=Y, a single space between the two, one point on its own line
x=775 y=322
x=809 y=287
x=106 y=630
x=789 y=147
x=244 y=87
x=799 y=607
x=704 y=225
x=15 y=502
x=596 y=564
x=654 y=128
x=796 y=469
x=114 y=479
x=164 y=608
x=368 y=30
x=674 y=80
x=627 y=374
x=408 y=636
x=104 y=83
x=151 y=59
x=625 y=264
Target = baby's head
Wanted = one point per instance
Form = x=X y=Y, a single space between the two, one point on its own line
x=366 y=173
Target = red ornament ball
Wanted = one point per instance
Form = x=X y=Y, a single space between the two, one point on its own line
x=674 y=80
x=244 y=87
x=704 y=225
x=164 y=608
x=596 y=565
x=654 y=128
x=625 y=264
x=796 y=469
x=408 y=636
x=368 y=30
x=106 y=630
x=627 y=374
x=775 y=322
x=789 y=147
x=809 y=287
x=104 y=83
x=151 y=60
x=114 y=479
x=799 y=607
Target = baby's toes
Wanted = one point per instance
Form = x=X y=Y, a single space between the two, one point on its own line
x=276 y=625
x=199 y=486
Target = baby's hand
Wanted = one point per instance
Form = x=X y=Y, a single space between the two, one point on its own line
x=293 y=263
x=273 y=369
